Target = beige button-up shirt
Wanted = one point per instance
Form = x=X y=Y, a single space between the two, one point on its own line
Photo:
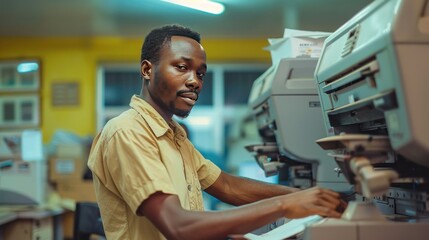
x=138 y=154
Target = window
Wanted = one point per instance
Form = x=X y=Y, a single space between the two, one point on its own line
x=19 y=94
x=119 y=86
x=238 y=85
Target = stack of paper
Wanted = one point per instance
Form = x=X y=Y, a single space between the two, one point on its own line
x=296 y=43
x=287 y=230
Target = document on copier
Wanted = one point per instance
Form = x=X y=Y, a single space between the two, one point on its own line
x=286 y=230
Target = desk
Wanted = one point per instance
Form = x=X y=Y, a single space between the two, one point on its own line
x=6 y=217
x=31 y=224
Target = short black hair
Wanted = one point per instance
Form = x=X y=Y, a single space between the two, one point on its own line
x=159 y=37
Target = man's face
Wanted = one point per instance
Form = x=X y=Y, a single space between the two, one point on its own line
x=177 y=79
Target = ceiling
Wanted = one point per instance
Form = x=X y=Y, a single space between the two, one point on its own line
x=134 y=18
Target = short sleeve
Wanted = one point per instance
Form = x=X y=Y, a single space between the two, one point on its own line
x=207 y=171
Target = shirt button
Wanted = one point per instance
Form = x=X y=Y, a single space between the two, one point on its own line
x=189 y=187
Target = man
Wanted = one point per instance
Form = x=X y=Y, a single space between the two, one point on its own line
x=149 y=177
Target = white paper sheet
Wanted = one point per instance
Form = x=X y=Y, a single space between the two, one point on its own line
x=287 y=230
x=31 y=145
x=300 y=33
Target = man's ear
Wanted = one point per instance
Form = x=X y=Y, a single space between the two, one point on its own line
x=146 y=69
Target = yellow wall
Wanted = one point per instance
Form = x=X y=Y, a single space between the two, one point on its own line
x=76 y=59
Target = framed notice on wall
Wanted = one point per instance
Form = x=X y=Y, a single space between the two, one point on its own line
x=65 y=93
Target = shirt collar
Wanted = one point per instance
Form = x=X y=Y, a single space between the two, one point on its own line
x=155 y=121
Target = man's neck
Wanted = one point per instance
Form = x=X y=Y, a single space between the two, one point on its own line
x=167 y=117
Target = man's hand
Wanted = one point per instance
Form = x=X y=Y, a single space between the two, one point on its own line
x=313 y=201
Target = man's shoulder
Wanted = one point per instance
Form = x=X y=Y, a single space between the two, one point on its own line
x=128 y=120
x=125 y=116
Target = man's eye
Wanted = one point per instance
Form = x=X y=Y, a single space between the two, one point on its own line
x=201 y=75
x=181 y=67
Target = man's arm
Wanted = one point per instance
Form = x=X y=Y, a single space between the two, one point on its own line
x=237 y=191
x=166 y=213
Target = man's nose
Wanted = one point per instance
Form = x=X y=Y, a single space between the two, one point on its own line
x=193 y=81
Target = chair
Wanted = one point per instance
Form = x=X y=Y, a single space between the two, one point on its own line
x=87 y=221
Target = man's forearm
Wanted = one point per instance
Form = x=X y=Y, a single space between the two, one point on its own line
x=241 y=190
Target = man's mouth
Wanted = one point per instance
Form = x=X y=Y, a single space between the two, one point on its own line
x=189 y=97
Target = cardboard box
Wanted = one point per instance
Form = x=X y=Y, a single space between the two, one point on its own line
x=65 y=168
x=76 y=190
x=72 y=150
x=296 y=43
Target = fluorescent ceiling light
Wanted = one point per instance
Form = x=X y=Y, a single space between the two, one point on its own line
x=202 y=5
x=27 y=67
